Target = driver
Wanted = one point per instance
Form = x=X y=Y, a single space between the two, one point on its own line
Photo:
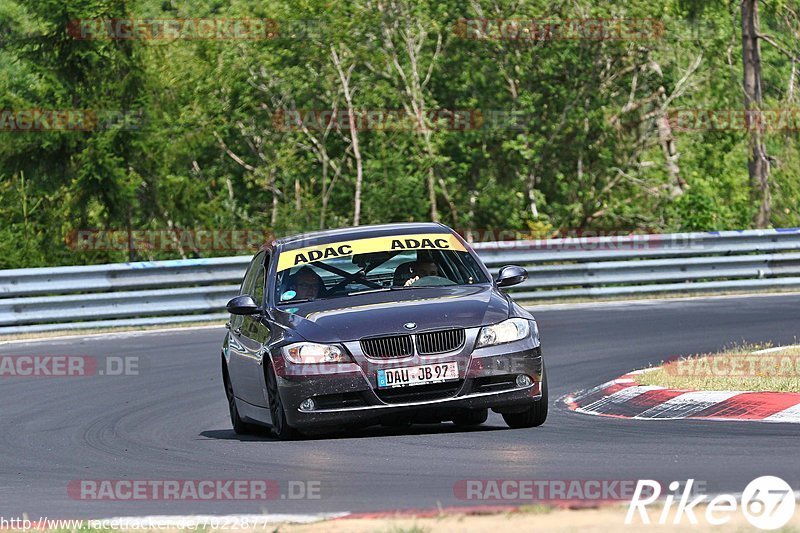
x=306 y=283
x=422 y=268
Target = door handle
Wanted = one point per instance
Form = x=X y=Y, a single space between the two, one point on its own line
x=237 y=331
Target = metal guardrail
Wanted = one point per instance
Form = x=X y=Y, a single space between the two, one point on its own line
x=194 y=290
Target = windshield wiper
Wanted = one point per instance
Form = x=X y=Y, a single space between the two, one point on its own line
x=301 y=300
x=406 y=287
x=367 y=291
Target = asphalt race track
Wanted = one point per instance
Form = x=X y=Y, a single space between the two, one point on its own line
x=171 y=422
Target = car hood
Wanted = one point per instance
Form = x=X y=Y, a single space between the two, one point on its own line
x=385 y=313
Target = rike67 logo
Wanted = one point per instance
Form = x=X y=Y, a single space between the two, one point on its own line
x=767 y=502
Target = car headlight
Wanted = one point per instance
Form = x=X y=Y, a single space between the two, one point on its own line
x=509 y=330
x=303 y=353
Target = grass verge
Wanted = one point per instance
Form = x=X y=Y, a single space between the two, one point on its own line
x=736 y=369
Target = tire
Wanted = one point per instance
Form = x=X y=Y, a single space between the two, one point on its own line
x=280 y=426
x=475 y=417
x=533 y=416
x=240 y=427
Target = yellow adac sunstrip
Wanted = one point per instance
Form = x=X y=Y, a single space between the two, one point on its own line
x=393 y=243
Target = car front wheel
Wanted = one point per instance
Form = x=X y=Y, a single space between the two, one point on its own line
x=240 y=427
x=280 y=426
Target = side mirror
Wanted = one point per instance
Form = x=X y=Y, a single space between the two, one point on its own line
x=511 y=275
x=243 y=305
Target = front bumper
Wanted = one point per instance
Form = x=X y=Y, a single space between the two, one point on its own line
x=347 y=395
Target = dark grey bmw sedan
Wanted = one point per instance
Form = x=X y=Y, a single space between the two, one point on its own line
x=389 y=324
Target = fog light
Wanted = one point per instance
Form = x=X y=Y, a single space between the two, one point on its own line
x=524 y=381
x=309 y=405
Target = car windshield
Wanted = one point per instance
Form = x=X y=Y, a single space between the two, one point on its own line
x=377 y=264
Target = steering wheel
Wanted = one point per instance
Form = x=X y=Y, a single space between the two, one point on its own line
x=432 y=281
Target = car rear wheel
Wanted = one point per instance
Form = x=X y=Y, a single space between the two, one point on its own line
x=280 y=426
x=240 y=427
x=533 y=416
x=471 y=418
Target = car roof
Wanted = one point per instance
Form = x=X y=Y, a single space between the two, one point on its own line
x=357 y=232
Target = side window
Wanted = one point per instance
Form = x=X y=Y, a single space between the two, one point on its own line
x=255 y=269
x=260 y=281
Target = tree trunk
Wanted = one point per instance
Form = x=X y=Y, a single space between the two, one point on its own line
x=531 y=187
x=432 y=195
x=758 y=164
x=348 y=98
x=419 y=107
x=129 y=224
x=677 y=185
x=273 y=217
x=324 y=196
x=667 y=141
x=473 y=201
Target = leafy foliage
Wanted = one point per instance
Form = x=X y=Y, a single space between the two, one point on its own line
x=563 y=134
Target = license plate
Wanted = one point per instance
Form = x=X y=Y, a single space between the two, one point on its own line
x=417 y=375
